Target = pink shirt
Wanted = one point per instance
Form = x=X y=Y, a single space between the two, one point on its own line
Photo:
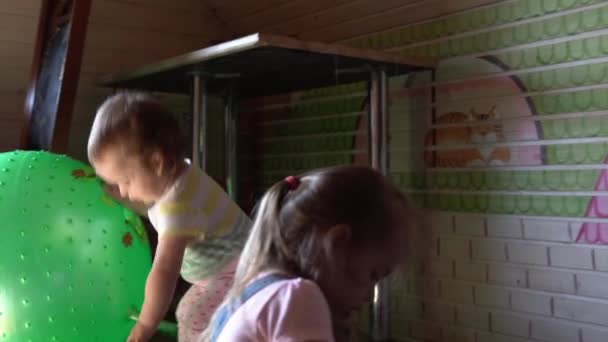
x=286 y=311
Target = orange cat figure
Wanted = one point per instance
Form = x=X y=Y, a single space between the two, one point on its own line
x=477 y=133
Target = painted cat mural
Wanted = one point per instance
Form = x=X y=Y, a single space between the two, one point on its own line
x=472 y=129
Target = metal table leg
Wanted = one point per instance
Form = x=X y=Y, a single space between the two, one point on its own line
x=378 y=141
x=231 y=136
x=199 y=121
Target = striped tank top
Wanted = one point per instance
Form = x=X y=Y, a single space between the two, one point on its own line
x=196 y=206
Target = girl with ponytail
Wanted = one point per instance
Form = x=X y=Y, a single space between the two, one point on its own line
x=319 y=243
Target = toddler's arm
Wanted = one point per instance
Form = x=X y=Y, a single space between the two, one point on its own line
x=160 y=285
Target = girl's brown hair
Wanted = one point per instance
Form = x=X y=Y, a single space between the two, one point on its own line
x=139 y=124
x=290 y=221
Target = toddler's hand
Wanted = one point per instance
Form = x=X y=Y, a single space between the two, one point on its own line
x=140 y=333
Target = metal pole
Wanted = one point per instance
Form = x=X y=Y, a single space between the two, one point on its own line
x=199 y=121
x=196 y=118
x=204 y=133
x=231 y=136
x=384 y=120
x=378 y=124
x=374 y=120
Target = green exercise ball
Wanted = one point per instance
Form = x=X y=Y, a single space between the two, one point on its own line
x=73 y=262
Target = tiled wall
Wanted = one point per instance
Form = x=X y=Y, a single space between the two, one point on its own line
x=513 y=248
x=504 y=145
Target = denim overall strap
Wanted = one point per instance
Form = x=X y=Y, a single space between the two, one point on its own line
x=225 y=312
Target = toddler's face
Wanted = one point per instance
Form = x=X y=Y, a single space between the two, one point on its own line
x=134 y=180
x=349 y=284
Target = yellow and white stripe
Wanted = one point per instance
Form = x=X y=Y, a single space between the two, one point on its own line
x=197 y=206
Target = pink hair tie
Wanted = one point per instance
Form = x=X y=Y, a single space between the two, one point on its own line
x=292 y=182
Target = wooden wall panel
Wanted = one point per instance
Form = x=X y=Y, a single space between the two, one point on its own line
x=11 y=131
x=143 y=42
x=18 y=20
x=14 y=80
x=27 y=8
x=11 y=119
x=126 y=33
x=412 y=12
x=335 y=15
x=13 y=53
x=331 y=21
x=284 y=13
x=193 y=21
x=14 y=27
x=181 y=5
x=121 y=34
x=231 y=11
x=12 y=105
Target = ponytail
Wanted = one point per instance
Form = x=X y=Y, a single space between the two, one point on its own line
x=258 y=252
x=293 y=215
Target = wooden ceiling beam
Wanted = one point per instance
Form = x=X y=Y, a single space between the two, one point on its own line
x=331 y=21
x=392 y=18
x=232 y=11
x=265 y=20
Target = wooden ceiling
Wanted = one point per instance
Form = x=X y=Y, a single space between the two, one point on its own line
x=329 y=20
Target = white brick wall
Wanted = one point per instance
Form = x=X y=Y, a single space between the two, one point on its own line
x=442 y=223
x=528 y=253
x=416 y=265
x=438 y=311
x=506 y=279
x=474 y=271
x=547 y=230
x=459 y=334
x=510 y=324
x=491 y=296
x=426 y=287
x=508 y=275
x=504 y=227
x=531 y=302
x=472 y=317
x=571 y=257
x=551 y=280
x=410 y=307
x=455 y=291
x=425 y=330
x=582 y=310
x=487 y=337
x=399 y=327
x=554 y=331
x=592 y=284
x=454 y=248
x=490 y=277
x=421 y=247
x=439 y=267
x=601 y=259
x=594 y=334
x=469 y=225
x=484 y=249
